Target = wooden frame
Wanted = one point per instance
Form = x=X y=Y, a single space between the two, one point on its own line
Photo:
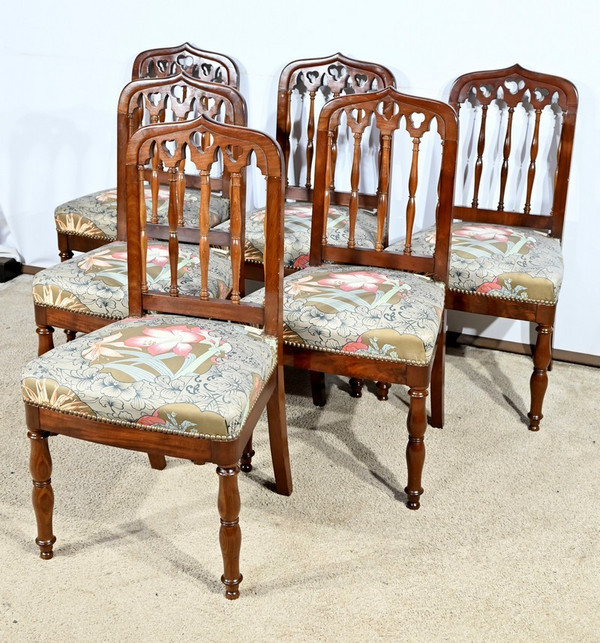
x=541 y=91
x=201 y=138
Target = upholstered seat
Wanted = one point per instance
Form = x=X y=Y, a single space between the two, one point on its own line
x=95 y=215
x=147 y=372
x=95 y=283
x=370 y=312
x=500 y=261
x=296 y=244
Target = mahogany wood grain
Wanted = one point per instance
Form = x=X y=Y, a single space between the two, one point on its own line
x=535 y=94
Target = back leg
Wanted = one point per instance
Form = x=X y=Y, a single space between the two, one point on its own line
x=278 y=436
x=438 y=379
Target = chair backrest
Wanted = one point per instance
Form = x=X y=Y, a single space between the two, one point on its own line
x=176 y=98
x=314 y=81
x=208 y=66
x=176 y=146
x=405 y=121
x=516 y=139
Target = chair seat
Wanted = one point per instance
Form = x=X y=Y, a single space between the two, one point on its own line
x=166 y=373
x=95 y=215
x=296 y=245
x=499 y=261
x=95 y=283
x=371 y=312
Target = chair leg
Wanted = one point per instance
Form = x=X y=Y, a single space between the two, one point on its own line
x=415 y=449
x=157 y=461
x=382 y=390
x=247 y=455
x=40 y=465
x=356 y=386
x=278 y=439
x=539 y=379
x=230 y=534
x=45 y=341
x=64 y=252
x=317 y=388
x=71 y=335
x=438 y=381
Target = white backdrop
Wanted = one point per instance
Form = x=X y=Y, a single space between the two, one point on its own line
x=65 y=62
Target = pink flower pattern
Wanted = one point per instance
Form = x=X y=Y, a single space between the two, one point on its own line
x=485 y=233
x=175 y=339
x=359 y=280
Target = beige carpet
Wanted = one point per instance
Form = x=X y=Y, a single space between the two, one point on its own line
x=505 y=546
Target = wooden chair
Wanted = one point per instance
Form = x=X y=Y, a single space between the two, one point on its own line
x=375 y=313
x=192 y=379
x=305 y=85
x=89 y=291
x=91 y=221
x=517 y=130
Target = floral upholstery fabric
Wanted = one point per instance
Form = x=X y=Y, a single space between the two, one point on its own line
x=296 y=244
x=499 y=261
x=164 y=373
x=95 y=215
x=371 y=312
x=95 y=283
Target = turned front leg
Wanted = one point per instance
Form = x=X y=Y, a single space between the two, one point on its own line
x=230 y=534
x=539 y=379
x=415 y=449
x=40 y=465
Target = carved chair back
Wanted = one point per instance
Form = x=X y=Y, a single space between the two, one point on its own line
x=516 y=139
x=303 y=86
x=199 y=143
x=169 y=61
x=177 y=98
x=403 y=120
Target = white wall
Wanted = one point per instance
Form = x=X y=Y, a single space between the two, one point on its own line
x=64 y=63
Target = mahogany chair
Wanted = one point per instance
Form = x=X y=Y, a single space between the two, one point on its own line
x=377 y=313
x=517 y=130
x=304 y=86
x=91 y=221
x=192 y=379
x=90 y=291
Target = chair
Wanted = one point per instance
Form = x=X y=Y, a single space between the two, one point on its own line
x=517 y=130
x=89 y=222
x=305 y=85
x=190 y=380
x=376 y=313
x=89 y=291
